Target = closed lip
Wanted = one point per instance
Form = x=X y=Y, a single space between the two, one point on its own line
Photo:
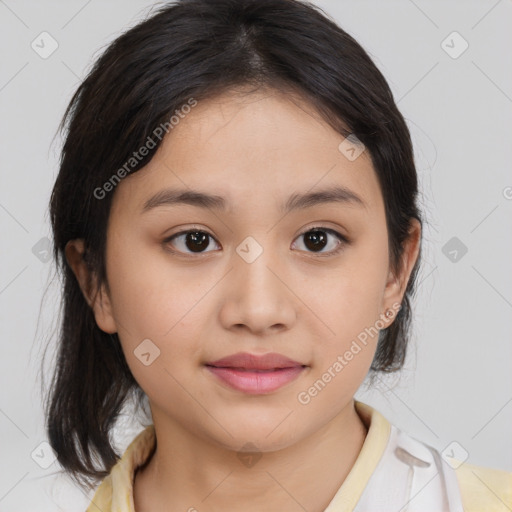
x=247 y=361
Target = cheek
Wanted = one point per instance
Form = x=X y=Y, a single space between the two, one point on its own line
x=155 y=300
x=351 y=307
x=352 y=300
x=334 y=379
x=152 y=301
x=365 y=279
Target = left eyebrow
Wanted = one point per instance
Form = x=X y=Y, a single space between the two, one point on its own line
x=169 y=197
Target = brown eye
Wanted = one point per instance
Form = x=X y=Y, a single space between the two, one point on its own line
x=317 y=239
x=194 y=241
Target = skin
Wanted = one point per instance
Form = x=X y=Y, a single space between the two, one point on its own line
x=255 y=150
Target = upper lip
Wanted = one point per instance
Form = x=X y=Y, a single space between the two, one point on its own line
x=255 y=362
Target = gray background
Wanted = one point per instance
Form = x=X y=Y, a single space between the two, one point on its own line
x=457 y=381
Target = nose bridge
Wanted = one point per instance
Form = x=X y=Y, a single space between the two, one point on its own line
x=257 y=262
x=256 y=295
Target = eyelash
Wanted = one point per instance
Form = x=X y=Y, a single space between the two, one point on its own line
x=343 y=241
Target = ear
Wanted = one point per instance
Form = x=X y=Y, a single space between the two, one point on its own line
x=98 y=299
x=397 y=284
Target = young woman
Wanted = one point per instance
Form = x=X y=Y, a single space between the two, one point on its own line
x=237 y=226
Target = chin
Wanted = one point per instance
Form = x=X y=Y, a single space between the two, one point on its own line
x=267 y=434
x=255 y=442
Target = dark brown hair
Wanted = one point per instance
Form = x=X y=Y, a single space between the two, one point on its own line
x=199 y=49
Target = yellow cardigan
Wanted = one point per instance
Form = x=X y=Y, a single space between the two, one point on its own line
x=482 y=489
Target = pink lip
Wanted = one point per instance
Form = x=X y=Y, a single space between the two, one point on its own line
x=254 y=374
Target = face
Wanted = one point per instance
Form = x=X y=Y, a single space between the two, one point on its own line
x=191 y=284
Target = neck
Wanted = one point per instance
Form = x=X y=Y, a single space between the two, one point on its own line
x=187 y=473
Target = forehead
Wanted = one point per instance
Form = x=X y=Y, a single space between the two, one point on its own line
x=259 y=147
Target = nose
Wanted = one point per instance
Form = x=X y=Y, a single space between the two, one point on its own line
x=258 y=293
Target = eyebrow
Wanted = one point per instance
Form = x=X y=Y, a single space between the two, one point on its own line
x=170 y=197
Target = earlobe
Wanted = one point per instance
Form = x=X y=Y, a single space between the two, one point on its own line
x=397 y=284
x=97 y=299
x=102 y=308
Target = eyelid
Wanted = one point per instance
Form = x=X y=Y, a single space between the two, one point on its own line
x=344 y=240
x=190 y=229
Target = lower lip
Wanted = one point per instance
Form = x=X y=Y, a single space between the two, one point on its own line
x=256 y=383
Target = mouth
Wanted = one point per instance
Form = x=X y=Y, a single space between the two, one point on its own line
x=255 y=374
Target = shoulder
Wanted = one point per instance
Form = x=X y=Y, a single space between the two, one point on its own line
x=115 y=492
x=484 y=488
x=102 y=500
